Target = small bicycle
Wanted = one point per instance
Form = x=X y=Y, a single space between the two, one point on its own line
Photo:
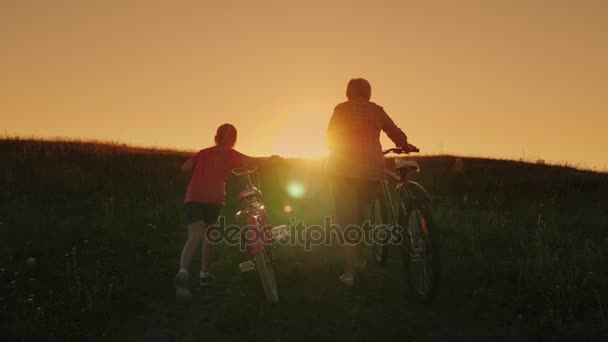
x=259 y=236
x=410 y=226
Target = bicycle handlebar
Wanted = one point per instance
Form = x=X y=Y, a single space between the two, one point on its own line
x=236 y=172
x=400 y=150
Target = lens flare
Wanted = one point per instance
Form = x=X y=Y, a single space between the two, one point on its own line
x=287 y=209
x=296 y=190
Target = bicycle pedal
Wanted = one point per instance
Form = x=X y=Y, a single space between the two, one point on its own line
x=246 y=266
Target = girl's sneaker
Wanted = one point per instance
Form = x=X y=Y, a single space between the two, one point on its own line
x=182 y=292
x=205 y=281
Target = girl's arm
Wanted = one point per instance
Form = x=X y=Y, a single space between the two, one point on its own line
x=248 y=162
x=251 y=162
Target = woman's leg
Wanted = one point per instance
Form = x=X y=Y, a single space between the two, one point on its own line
x=366 y=194
x=350 y=258
x=195 y=234
x=344 y=207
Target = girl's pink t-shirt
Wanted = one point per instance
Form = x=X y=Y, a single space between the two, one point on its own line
x=208 y=182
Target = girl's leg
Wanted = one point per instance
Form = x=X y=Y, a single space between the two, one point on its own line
x=195 y=234
x=208 y=251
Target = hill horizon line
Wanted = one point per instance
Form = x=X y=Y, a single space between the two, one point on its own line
x=137 y=148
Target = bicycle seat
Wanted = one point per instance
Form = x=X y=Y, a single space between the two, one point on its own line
x=408 y=165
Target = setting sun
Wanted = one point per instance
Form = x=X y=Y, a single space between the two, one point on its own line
x=299 y=136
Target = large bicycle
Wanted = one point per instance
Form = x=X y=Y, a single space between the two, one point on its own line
x=408 y=224
x=259 y=236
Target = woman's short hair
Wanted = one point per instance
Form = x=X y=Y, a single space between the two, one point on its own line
x=358 y=87
x=225 y=132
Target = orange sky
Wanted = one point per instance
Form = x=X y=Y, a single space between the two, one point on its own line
x=493 y=78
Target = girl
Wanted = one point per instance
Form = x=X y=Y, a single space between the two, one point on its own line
x=204 y=201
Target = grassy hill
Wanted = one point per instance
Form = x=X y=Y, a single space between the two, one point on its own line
x=90 y=236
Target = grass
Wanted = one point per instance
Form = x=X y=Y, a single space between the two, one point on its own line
x=90 y=236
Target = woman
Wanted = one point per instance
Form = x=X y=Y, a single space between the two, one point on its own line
x=205 y=200
x=356 y=163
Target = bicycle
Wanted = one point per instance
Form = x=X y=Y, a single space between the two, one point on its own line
x=412 y=229
x=259 y=235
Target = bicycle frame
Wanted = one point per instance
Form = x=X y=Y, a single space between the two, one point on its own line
x=407 y=191
x=259 y=232
x=254 y=215
x=387 y=192
x=255 y=218
x=259 y=236
x=413 y=229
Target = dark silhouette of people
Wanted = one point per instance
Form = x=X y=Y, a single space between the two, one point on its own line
x=356 y=163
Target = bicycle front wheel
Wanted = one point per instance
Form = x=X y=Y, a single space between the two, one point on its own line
x=420 y=253
x=381 y=232
x=269 y=284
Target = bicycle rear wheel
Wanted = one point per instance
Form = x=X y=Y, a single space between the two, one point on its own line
x=420 y=253
x=269 y=284
x=379 y=218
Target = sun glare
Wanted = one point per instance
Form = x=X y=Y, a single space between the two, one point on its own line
x=296 y=189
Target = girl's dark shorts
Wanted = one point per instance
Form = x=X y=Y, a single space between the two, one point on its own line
x=194 y=211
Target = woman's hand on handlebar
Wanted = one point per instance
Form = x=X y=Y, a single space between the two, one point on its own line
x=410 y=148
